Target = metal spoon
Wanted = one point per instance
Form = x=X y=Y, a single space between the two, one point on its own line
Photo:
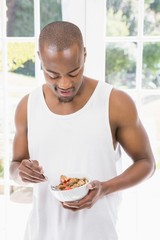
x=54 y=188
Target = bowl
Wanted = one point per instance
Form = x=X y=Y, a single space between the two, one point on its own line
x=74 y=194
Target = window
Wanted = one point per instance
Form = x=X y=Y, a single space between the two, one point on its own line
x=125 y=53
x=133 y=64
x=20 y=72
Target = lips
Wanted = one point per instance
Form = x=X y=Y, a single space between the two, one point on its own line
x=65 y=93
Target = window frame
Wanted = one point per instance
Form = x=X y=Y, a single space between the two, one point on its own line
x=91 y=19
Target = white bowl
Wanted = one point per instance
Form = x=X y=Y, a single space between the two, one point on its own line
x=72 y=194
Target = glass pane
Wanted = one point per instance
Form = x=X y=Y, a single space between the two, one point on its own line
x=151 y=65
x=50 y=10
x=1 y=117
x=2 y=211
x=1 y=150
x=149 y=191
x=0 y=21
x=19 y=206
x=152 y=18
x=121 y=17
x=21 y=74
x=21 y=80
x=0 y=59
x=21 y=194
x=1 y=156
x=21 y=60
x=121 y=64
x=2 y=202
x=20 y=15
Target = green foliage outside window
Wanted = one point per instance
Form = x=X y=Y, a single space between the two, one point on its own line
x=122 y=20
x=121 y=15
x=151 y=56
x=20 y=23
x=21 y=58
x=50 y=10
x=151 y=64
x=121 y=64
x=152 y=23
x=1 y=169
x=20 y=16
x=117 y=59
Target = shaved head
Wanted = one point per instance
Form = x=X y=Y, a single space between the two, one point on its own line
x=60 y=35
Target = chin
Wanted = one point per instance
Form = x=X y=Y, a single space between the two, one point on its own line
x=65 y=100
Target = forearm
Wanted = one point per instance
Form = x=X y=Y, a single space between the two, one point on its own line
x=132 y=176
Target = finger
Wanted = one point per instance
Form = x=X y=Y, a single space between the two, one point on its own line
x=34 y=161
x=35 y=165
x=71 y=209
x=75 y=204
x=84 y=202
x=27 y=178
x=75 y=207
x=93 y=185
x=31 y=174
x=78 y=204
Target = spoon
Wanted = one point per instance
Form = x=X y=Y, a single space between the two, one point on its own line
x=54 y=188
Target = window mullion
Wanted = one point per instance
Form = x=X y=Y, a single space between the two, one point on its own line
x=74 y=11
x=95 y=27
x=36 y=36
x=139 y=60
x=5 y=117
x=140 y=44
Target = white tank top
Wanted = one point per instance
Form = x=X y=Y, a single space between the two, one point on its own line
x=77 y=142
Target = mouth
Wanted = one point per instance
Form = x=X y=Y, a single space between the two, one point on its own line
x=65 y=93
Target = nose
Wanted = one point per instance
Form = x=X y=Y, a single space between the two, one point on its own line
x=64 y=83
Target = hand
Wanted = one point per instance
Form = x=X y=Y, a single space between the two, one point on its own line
x=95 y=193
x=31 y=172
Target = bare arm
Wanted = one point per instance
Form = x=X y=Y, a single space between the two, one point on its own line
x=22 y=169
x=128 y=130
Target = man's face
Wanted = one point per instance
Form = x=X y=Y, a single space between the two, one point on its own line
x=63 y=71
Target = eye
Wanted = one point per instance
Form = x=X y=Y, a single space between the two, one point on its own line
x=71 y=75
x=53 y=77
x=75 y=74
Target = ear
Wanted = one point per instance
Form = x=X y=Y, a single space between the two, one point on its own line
x=85 y=54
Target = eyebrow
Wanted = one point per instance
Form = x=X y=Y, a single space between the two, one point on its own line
x=58 y=73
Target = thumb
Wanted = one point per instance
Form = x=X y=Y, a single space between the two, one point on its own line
x=92 y=185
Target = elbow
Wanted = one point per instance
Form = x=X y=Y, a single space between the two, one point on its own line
x=13 y=170
x=152 y=167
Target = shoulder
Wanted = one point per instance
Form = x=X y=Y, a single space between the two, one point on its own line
x=22 y=105
x=120 y=98
x=122 y=108
x=21 y=112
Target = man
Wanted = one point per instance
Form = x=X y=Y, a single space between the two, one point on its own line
x=75 y=124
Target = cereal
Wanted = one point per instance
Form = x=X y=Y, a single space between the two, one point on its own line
x=67 y=183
